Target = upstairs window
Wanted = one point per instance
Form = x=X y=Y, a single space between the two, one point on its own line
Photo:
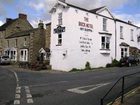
x=25 y=42
x=121 y=32
x=7 y=43
x=60 y=19
x=132 y=33
x=104 y=24
x=105 y=42
x=16 y=41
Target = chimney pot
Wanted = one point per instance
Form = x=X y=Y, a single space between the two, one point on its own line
x=23 y=16
x=8 y=20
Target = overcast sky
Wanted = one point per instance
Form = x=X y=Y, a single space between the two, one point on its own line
x=39 y=9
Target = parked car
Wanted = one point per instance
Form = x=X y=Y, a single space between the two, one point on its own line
x=4 y=59
x=129 y=61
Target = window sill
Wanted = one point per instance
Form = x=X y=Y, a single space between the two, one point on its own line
x=122 y=38
x=105 y=51
x=58 y=45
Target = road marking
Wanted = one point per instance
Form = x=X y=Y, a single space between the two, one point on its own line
x=18 y=91
x=28 y=95
x=17 y=96
x=29 y=101
x=16 y=102
x=18 y=88
x=82 y=90
x=48 y=84
x=17 y=79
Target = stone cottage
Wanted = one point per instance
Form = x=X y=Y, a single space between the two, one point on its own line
x=21 y=42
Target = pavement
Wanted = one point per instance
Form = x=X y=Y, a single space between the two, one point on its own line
x=133 y=98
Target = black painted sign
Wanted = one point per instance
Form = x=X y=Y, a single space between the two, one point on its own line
x=59 y=29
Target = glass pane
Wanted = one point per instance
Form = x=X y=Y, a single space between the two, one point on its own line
x=103 y=39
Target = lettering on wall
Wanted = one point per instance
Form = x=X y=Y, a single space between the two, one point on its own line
x=85 y=26
x=85 y=44
x=85 y=40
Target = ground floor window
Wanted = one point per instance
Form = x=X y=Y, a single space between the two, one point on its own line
x=124 y=52
x=24 y=55
x=12 y=53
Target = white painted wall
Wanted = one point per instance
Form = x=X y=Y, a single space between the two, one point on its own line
x=75 y=58
x=127 y=37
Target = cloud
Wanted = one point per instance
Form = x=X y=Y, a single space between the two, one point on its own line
x=90 y=4
x=34 y=23
x=135 y=19
x=1 y=23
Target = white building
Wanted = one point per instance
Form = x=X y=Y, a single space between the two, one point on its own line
x=79 y=35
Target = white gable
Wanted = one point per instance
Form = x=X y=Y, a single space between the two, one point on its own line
x=105 y=12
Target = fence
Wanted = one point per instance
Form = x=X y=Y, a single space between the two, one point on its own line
x=121 y=86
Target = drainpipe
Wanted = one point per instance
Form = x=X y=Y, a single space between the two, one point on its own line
x=115 y=40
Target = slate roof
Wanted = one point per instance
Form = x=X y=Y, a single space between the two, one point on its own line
x=22 y=33
x=5 y=25
x=96 y=9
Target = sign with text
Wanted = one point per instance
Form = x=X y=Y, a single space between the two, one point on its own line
x=59 y=29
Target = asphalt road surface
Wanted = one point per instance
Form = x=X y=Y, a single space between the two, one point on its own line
x=59 y=88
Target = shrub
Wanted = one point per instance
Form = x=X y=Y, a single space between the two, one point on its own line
x=87 y=66
x=115 y=63
x=108 y=65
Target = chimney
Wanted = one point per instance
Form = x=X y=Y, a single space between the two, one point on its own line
x=23 y=16
x=8 y=20
x=63 y=1
x=41 y=25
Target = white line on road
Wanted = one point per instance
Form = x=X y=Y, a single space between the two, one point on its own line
x=28 y=95
x=82 y=90
x=40 y=85
x=29 y=101
x=16 y=102
x=17 y=96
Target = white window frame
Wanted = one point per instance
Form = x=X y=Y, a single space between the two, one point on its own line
x=60 y=39
x=106 y=44
x=132 y=34
x=60 y=18
x=124 y=52
x=104 y=24
x=24 y=55
x=121 y=32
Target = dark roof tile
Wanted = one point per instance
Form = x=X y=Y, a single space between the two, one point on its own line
x=5 y=25
x=22 y=33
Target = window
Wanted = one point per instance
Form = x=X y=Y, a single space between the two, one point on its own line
x=60 y=19
x=104 y=24
x=105 y=42
x=124 y=52
x=8 y=43
x=25 y=42
x=121 y=32
x=132 y=32
x=59 y=39
x=16 y=43
x=24 y=55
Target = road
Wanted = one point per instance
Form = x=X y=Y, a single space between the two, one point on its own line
x=58 y=88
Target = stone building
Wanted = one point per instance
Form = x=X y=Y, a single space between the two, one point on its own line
x=23 y=43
